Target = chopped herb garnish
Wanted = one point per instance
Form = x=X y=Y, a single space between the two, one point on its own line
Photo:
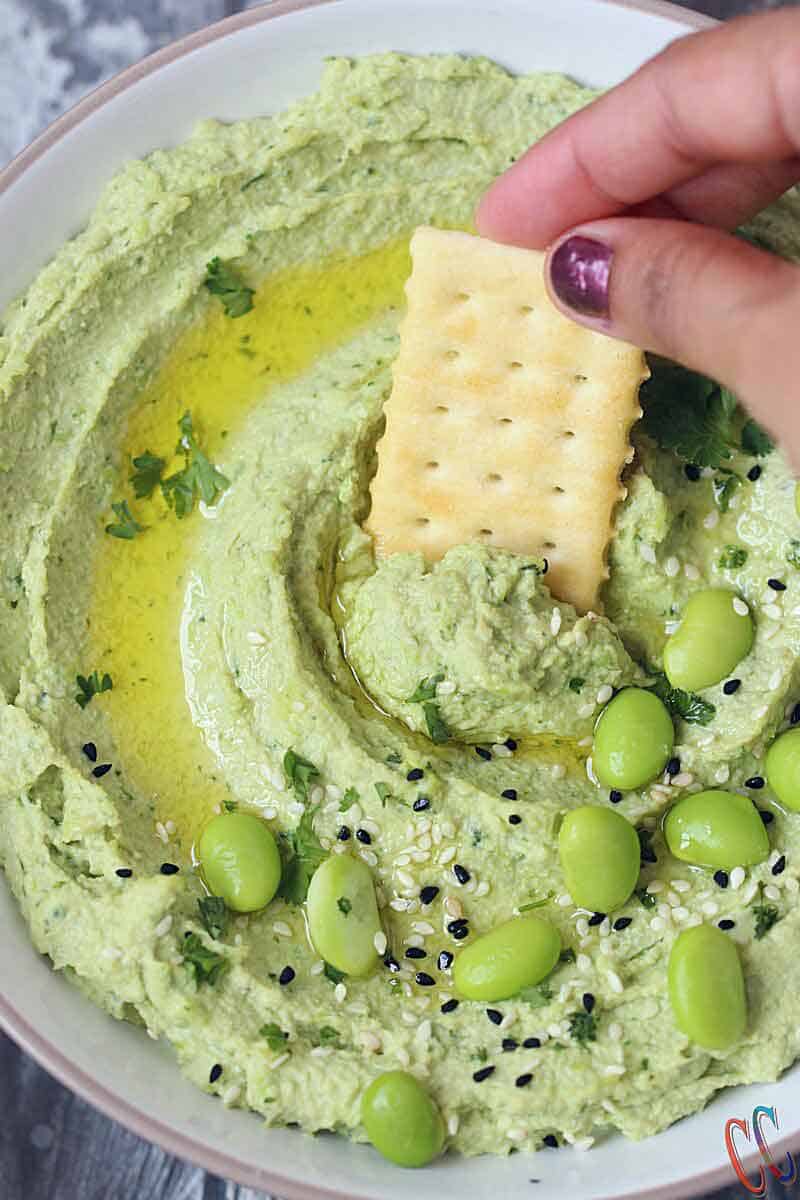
x=205 y=965
x=644 y=949
x=274 y=1036
x=384 y=792
x=538 y=996
x=567 y=956
x=536 y=903
x=724 y=489
x=90 y=686
x=583 y=1027
x=224 y=281
x=576 y=683
x=437 y=726
x=146 y=475
x=302 y=854
x=755 y=440
x=230 y=805
x=300 y=773
x=687 y=705
x=214 y=915
x=255 y=179
x=645 y=898
x=331 y=973
x=350 y=797
x=344 y=905
x=732 y=558
x=765 y=916
x=425 y=689
x=199 y=477
x=793 y=553
x=648 y=854
x=126 y=526
x=394 y=758
x=688 y=414
x=326 y=1035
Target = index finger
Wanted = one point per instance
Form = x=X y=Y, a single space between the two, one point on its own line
x=731 y=95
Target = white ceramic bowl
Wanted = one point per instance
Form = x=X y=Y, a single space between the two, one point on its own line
x=258 y=63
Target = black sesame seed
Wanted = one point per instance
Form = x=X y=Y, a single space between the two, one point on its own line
x=286 y=976
x=777 y=585
x=421 y=803
x=588 y=1001
x=515 y=819
x=550 y=1139
x=795 y=715
x=532 y=1043
x=622 y=923
x=343 y=834
x=523 y=1080
x=545 y=566
x=673 y=766
x=754 y=473
x=726 y=924
x=780 y=865
x=169 y=869
x=363 y=836
x=691 y=472
x=509 y=794
x=461 y=873
x=414 y=774
x=648 y=855
x=102 y=770
x=391 y=962
x=596 y=919
x=721 y=878
x=124 y=872
x=756 y=782
x=511 y=743
x=460 y=933
x=415 y=952
x=731 y=685
x=424 y=979
x=614 y=796
x=90 y=750
x=494 y=1015
x=766 y=816
x=484 y=1073
x=509 y=1044
x=428 y=894
x=483 y=753
x=214 y=1073
x=445 y=960
x=449 y=1006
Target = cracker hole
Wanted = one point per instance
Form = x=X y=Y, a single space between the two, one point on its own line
x=549 y=545
x=515 y=366
x=494 y=478
x=559 y=491
x=462 y=296
x=526 y=309
x=581 y=378
x=484 y=532
x=568 y=433
x=421 y=521
x=441 y=408
x=506 y=421
x=451 y=355
x=432 y=466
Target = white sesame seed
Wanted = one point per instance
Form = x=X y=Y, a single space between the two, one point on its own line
x=161 y=832
x=581 y=639
x=404 y=879
x=769 y=629
x=296 y=809
x=380 y=942
x=682 y=779
x=605 y=928
x=722 y=774
x=655 y=886
x=255 y=638
x=279 y=1061
x=354 y=816
x=680 y=914
x=317 y=794
x=369 y=857
x=707 y=472
x=710 y=908
x=231 y=1094
x=558 y=770
x=340 y=993
x=672 y=898
x=446 y=687
x=370 y=1041
x=604 y=693
x=583 y=962
x=586 y=741
x=739 y=607
x=452 y=1125
x=317 y=968
x=772 y=893
x=657 y=924
x=447 y=856
x=483 y=888
x=564 y=900
x=773 y=611
x=586 y=710
x=413 y=906
x=370 y=826
x=615 y=1031
x=775 y=680
x=163 y=927
x=399 y=905
x=282 y=929
x=410 y=893
x=554 y=1030
x=555 y=622
x=402 y=860
x=694 y=919
x=409 y=1018
x=298 y=706
x=681 y=885
x=339 y=848
x=423 y=927
x=671 y=567
x=453 y=907
x=671 y=627
x=790 y=883
x=582 y=927
x=516 y=1135
x=690 y=571
x=647 y=552
x=736 y=877
x=420 y=856
x=270 y=813
x=664 y=911
x=321 y=1051
x=612 y=1070
x=711 y=520
x=501 y=751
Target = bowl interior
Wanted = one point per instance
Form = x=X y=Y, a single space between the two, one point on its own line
x=255 y=64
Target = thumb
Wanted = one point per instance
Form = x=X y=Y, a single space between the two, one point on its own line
x=694 y=294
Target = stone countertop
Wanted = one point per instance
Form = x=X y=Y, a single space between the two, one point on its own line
x=53 y=1146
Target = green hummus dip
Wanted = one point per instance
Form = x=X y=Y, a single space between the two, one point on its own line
x=260 y=624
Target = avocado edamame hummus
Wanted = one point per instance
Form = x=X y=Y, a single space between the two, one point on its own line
x=434 y=725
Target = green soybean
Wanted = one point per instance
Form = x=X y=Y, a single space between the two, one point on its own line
x=782 y=765
x=343 y=914
x=600 y=855
x=706 y=987
x=633 y=740
x=716 y=829
x=239 y=861
x=512 y=956
x=401 y=1119
x=712 y=639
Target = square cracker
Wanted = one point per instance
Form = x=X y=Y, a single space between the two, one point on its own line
x=507 y=423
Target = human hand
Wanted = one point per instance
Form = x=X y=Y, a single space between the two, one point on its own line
x=636 y=195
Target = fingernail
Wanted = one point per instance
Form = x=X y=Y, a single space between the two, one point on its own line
x=579 y=272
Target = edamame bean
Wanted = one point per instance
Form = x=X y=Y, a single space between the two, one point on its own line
x=782 y=766
x=716 y=829
x=239 y=861
x=401 y=1119
x=600 y=854
x=343 y=914
x=633 y=740
x=716 y=633
x=512 y=956
x=706 y=987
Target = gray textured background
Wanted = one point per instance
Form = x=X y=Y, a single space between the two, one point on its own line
x=52 y=1145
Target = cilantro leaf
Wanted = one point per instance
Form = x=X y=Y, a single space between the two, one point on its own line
x=576 y=683
x=199 y=477
x=538 y=996
x=146 y=475
x=91 y=685
x=344 y=906
x=300 y=773
x=214 y=915
x=224 y=281
x=645 y=898
x=688 y=414
x=687 y=705
x=205 y=965
x=426 y=689
x=350 y=798
x=274 y=1036
x=583 y=1027
x=793 y=553
x=765 y=916
x=303 y=853
x=535 y=903
x=724 y=489
x=384 y=792
x=732 y=558
x=755 y=440
x=126 y=526
x=437 y=726
x=327 y=1036
x=331 y=973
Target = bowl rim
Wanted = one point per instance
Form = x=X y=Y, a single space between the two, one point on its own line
x=46 y=1053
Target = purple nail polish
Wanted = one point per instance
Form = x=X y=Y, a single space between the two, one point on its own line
x=579 y=272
